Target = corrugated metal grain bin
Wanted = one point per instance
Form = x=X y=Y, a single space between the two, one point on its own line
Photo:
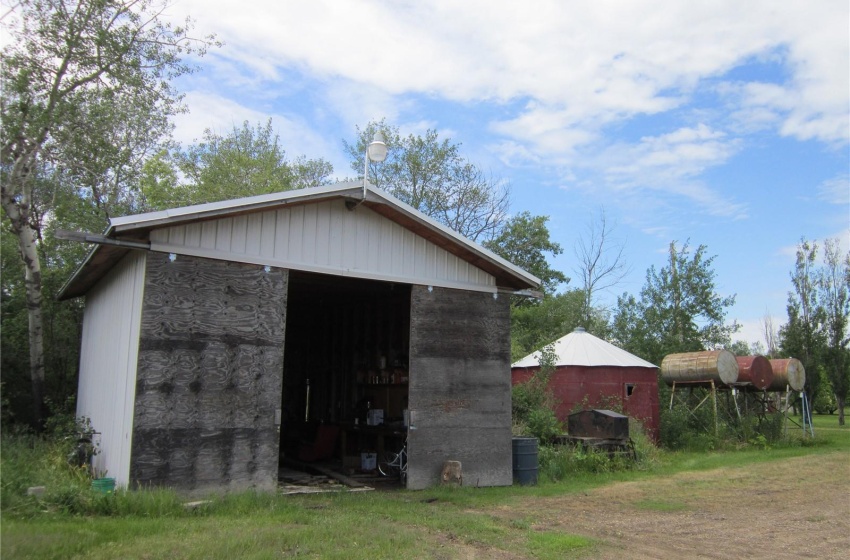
x=593 y=373
x=755 y=370
x=788 y=372
x=718 y=366
x=604 y=424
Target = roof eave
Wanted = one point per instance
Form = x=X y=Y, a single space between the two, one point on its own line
x=101 y=258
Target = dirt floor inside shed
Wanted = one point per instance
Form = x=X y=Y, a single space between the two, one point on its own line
x=794 y=508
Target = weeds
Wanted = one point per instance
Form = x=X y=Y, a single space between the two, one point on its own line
x=533 y=403
x=558 y=462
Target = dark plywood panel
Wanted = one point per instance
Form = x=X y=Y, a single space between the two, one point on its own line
x=209 y=375
x=460 y=389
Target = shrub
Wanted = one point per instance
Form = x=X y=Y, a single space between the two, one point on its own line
x=557 y=462
x=533 y=404
x=543 y=425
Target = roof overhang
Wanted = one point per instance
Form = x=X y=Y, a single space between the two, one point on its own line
x=137 y=228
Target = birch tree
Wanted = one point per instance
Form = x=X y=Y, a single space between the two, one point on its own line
x=82 y=80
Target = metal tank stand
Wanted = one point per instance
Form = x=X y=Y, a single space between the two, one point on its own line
x=807 y=415
x=690 y=399
x=806 y=425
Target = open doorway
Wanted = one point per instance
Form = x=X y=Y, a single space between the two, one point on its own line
x=345 y=373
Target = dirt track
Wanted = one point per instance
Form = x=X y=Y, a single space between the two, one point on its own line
x=794 y=508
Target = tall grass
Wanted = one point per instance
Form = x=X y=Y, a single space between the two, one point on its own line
x=558 y=462
x=29 y=461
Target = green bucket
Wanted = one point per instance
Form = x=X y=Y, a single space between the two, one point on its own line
x=103 y=485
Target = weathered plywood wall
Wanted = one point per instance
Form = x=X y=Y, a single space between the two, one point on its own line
x=460 y=386
x=209 y=375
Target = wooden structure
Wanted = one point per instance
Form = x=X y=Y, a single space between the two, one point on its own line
x=603 y=430
x=590 y=372
x=605 y=424
x=218 y=338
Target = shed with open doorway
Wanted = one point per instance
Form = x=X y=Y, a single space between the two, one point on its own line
x=593 y=373
x=219 y=338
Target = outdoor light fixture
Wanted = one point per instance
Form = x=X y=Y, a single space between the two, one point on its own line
x=377 y=152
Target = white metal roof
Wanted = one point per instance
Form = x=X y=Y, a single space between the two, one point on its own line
x=580 y=348
x=138 y=227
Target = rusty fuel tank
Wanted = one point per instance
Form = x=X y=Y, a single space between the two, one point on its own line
x=718 y=366
x=787 y=373
x=755 y=370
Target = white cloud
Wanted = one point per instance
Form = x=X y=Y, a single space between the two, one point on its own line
x=671 y=164
x=752 y=329
x=588 y=62
x=561 y=77
x=836 y=191
x=221 y=115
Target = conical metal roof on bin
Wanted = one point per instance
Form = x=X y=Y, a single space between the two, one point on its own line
x=580 y=348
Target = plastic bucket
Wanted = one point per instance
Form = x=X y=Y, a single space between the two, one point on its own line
x=103 y=485
x=525 y=460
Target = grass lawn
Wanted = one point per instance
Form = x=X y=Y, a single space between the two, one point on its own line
x=436 y=523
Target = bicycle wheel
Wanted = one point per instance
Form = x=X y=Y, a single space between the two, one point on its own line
x=389 y=464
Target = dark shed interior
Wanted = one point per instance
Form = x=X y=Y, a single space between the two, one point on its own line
x=346 y=354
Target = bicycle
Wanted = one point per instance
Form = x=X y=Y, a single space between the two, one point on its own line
x=395 y=464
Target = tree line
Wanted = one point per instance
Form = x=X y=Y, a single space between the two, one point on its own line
x=88 y=98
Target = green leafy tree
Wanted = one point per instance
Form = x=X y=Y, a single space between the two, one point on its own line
x=803 y=336
x=159 y=184
x=81 y=81
x=740 y=348
x=430 y=175
x=834 y=289
x=524 y=241
x=678 y=310
x=245 y=162
x=308 y=173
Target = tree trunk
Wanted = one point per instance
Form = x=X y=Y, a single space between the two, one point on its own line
x=840 y=400
x=29 y=253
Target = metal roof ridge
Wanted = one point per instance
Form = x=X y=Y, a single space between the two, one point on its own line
x=210 y=210
x=447 y=231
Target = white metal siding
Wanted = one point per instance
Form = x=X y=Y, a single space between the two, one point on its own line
x=108 y=359
x=326 y=237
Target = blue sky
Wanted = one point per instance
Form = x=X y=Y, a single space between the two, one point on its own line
x=723 y=123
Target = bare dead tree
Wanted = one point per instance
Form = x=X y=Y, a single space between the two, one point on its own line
x=601 y=261
x=770 y=335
